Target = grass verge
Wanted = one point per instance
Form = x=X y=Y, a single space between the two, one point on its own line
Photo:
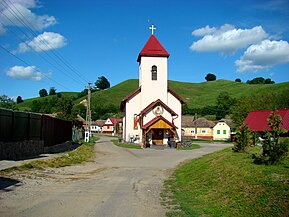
x=194 y=146
x=83 y=153
x=125 y=145
x=227 y=184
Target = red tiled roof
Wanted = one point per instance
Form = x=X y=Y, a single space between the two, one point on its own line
x=257 y=120
x=156 y=119
x=153 y=48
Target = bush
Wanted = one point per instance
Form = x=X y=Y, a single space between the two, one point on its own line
x=273 y=150
x=242 y=139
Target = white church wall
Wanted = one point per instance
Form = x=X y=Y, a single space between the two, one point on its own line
x=176 y=106
x=132 y=108
x=153 y=89
x=151 y=116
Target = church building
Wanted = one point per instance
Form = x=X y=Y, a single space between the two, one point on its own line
x=153 y=112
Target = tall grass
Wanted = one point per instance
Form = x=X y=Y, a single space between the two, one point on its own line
x=227 y=184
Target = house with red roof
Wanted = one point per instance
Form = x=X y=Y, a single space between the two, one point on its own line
x=152 y=113
x=258 y=120
x=112 y=126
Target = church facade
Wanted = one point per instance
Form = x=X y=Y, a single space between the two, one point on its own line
x=152 y=113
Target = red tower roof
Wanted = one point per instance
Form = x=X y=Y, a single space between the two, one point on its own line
x=153 y=48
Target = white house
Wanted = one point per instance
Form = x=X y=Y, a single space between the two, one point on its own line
x=152 y=113
x=222 y=131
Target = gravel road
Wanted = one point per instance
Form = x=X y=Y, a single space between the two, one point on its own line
x=120 y=183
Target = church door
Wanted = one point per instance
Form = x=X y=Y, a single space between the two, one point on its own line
x=158 y=136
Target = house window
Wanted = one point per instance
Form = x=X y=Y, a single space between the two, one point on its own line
x=204 y=131
x=218 y=132
x=224 y=132
x=154 y=73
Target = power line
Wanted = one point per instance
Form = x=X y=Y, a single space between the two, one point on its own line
x=57 y=54
x=43 y=41
x=30 y=65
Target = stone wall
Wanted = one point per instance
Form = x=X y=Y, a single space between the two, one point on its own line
x=21 y=149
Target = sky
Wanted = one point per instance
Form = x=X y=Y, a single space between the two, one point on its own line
x=66 y=44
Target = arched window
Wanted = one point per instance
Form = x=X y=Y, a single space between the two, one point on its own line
x=154 y=73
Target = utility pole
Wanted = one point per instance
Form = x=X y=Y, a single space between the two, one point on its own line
x=88 y=115
x=196 y=129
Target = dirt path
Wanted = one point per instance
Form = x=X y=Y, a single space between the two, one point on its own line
x=120 y=183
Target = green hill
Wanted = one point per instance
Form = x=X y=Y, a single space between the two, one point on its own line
x=196 y=95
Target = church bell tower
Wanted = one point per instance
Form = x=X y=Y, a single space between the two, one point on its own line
x=153 y=71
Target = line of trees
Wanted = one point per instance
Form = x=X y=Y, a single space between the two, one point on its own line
x=238 y=109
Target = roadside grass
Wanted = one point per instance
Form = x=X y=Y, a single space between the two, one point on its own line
x=228 y=184
x=194 y=146
x=125 y=145
x=83 y=153
x=211 y=141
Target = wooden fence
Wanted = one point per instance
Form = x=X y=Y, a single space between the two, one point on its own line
x=20 y=126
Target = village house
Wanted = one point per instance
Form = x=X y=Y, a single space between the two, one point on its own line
x=205 y=129
x=152 y=113
x=198 y=129
x=222 y=130
x=112 y=126
x=258 y=120
x=96 y=126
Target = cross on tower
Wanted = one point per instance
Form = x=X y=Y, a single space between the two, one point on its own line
x=152 y=28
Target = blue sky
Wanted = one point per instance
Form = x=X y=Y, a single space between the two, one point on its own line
x=65 y=44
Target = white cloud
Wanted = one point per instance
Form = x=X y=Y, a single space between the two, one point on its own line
x=226 y=39
x=204 y=31
x=8 y=9
x=25 y=73
x=43 y=42
x=264 y=55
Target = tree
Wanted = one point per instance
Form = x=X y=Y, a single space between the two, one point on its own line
x=210 y=77
x=19 y=99
x=224 y=103
x=42 y=93
x=273 y=150
x=242 y=139
x=102 y=83
x=260 y=80
x=238 y=80
x=269 y=81
x=7 y=102
x=65 y=105
x=52 y=91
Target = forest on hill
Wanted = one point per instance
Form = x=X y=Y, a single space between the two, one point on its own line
x=214 y=99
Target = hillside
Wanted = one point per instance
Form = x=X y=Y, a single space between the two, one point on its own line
x=196 y=95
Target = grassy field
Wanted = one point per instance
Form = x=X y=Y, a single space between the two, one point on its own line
x=124 y=145
x=227 y=184
x=196 y=95
x=83 y=153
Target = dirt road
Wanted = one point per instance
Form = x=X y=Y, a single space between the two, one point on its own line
x=120 y=183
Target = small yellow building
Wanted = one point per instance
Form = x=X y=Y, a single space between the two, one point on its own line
x=221 y=131
x=199 y=129
x=205 y=129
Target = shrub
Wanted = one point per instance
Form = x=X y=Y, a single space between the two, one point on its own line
x=273 y=150
x=242 y=139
